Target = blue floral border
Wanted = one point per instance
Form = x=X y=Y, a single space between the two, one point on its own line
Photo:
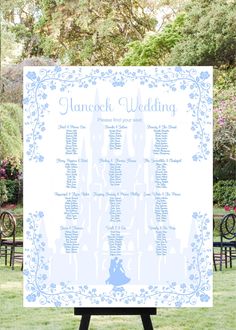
x=62 y=78
x=39 y=293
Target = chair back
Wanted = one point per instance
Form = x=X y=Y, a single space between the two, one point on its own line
x=228 y=227
x=7 y=225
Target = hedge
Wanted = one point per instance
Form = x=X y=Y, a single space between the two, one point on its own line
x=11 y=191
x=224 y=193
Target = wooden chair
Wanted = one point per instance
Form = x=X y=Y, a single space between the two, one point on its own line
x=9 y=246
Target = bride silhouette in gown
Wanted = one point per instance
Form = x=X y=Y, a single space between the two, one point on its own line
x=117 y=273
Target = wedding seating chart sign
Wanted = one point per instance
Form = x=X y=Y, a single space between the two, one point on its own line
x=118 y=186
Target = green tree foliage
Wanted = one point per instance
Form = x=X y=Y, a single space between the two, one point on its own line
x=204 y=35
x=19 y=17
x=91 y=32
x=11 y=130
x=155 y=49
x=79 y=32
x=9 y=46
x=209 y=36
x=225 y=124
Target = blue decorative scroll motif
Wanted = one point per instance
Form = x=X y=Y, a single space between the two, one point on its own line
x=43 y=293
x=41 y=81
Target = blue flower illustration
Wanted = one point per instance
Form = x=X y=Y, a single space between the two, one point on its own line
x=195 y=215
x=178 y=69
x=209 y=272
x=209 y=100
x=204 y=297
x=31 y=297
x=41 y=158
x=204 y=75
x=31 y=75
x=57 y=69
x=26 y=100
x=53 y=86
x=178 y=304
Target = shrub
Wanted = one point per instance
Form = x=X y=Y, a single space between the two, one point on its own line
x=224 y=193
x=224 y=127
x=10 y=168
x=12 y=191
x=19 y=225
x=3 y=192
x=12 y=78
x=11 y=131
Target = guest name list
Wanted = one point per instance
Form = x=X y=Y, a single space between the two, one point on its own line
x=117 y=170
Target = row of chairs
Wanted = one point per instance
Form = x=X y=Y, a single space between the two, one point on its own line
x=224 y=248
x=11 y=249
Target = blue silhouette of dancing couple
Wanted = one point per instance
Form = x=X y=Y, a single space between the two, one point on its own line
x=117 y=273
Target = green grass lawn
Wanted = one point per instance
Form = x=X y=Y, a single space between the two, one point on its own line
x=219 y=210
x=14 y=316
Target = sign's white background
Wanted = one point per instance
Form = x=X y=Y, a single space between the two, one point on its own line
x=53 y=104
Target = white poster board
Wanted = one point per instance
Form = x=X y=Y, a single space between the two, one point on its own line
x=118 y=186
